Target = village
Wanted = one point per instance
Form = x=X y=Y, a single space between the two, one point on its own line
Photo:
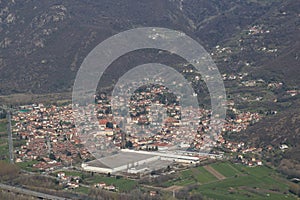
x=51 y=140
x=156 y=129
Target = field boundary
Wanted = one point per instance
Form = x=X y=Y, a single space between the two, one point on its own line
x=214 y=172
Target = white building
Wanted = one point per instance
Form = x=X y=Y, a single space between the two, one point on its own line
x=134 y=162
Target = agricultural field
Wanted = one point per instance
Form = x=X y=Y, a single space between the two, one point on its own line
x=204 y=176
x=3 y=126
x=3 y=141
x=240 y=182
x=226 y=169
x=124 y=185
x=71 y=173
x=192 y=176
x=83 y=190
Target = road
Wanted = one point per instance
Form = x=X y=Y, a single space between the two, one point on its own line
x=30 y=192
x=169 y=189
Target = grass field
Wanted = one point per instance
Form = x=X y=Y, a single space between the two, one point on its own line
x=83 y=190
x=192 y=176
x=241 y=182
x=3 y=140
x=185 y=178
x=246 y=183
x=4 y=150
x=2 y=125
x=28 y=166
x=204 y=176
x=245 y=187
x=124 y=185
x=71 y=173
x=226 y=169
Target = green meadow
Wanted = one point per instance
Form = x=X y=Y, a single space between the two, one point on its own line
x=241 y=182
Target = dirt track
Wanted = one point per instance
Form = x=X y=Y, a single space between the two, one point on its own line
x=171 y=188
x=214 y=172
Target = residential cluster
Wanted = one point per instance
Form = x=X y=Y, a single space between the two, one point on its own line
x=70 y=182
x=51 y=138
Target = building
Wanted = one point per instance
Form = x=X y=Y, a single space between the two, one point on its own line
x=135 y=162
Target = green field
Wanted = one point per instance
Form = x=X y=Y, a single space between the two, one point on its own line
x=28 y=166
x=241 y=182
x=204 y=176
x=2 y=126
x=246 y=187
x=185 y=178
x=192 y=176
x=124 y=185
x=83 y=190
x=71 y=173
x=3 y=141
x=4 y=150
x=226 y=169
x=246 y=183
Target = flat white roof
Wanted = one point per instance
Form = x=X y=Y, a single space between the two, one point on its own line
x=118 y=160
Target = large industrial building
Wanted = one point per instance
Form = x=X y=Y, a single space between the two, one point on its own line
x=135 y=162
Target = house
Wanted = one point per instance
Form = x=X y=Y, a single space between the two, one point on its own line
x=100 y=185
x=259 y=163
x=110 y=188
x=102 y=124
x=283 y=147
x=152 y=193
x=73 y=185
x=108 y=132
x=61 y=175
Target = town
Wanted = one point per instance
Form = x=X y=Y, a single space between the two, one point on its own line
x=50 y=141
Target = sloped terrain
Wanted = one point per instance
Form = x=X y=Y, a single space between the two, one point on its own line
x=277 y=130
x=43 y=43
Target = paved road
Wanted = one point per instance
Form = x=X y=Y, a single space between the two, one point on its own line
x=30 y=192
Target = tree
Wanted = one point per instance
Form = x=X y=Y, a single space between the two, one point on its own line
x=168 y=168
x=68 y=153
x=109 y=125
x=8 y=171
x=128 y=144
x=52 y=156
x=295 y=189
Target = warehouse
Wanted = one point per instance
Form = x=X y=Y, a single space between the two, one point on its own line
x=134 y=162
x=122 y=161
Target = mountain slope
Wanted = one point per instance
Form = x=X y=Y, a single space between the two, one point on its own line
x=44 y=42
